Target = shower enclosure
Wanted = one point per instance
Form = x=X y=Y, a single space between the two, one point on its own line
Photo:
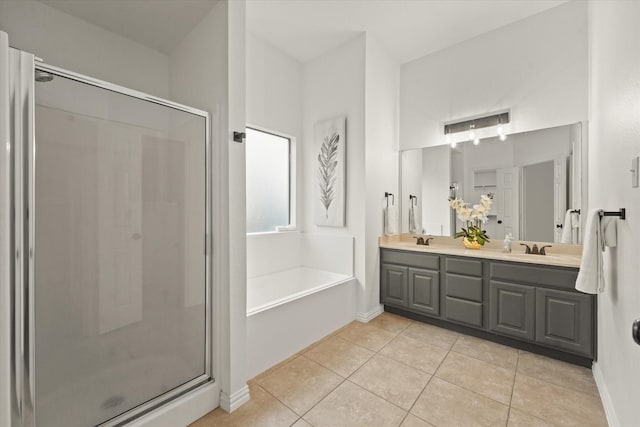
x=105 y=269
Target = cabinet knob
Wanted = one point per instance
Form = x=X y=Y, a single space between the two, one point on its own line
x=558 y=225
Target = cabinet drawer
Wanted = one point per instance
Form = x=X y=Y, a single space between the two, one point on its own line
x=464 y=311
x=464 y=287
x=534 y=275
x=470 y=267
x=430 y=262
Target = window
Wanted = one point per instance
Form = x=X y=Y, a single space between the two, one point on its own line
x=268 y=181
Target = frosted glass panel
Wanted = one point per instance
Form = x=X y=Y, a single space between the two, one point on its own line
x=267 y=160
x=119 y=261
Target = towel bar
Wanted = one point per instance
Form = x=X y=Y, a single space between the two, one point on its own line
x=393 y=198
x=622 y=213
x=575 y=211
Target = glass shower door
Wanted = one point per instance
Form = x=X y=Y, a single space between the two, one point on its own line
x=119 y=273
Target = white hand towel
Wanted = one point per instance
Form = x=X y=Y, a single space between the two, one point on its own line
x=412 y=219
x=591 y=276
x=575 y=220
x=391 y=220
x=567 y=228
x=609 y=227
x=575 y=226
x=599 y=233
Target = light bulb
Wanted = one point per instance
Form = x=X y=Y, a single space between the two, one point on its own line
x=472 y=135
x=503 y=137
x=476 y=141
x=453 y=144
x=500 y=131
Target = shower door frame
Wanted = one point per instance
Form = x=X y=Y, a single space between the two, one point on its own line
x=22 y=147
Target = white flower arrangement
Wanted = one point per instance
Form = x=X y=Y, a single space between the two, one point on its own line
x=474 y=216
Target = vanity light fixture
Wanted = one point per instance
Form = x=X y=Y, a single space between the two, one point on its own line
x=500 y=130
x=449 y=141
x=471 y=125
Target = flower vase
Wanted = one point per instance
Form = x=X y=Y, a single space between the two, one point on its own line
x=471 y=244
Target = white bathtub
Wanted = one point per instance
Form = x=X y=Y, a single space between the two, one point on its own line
x=290 y=308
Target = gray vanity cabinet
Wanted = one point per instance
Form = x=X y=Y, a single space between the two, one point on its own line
x=394 y=285
x=532 y=305
x=512 y=309
x=565 y=320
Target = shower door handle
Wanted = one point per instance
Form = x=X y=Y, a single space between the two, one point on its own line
x=635 y=331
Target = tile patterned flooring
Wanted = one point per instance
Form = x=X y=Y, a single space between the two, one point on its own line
x=396 y=372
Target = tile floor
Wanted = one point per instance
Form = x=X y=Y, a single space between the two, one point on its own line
x=396 y=372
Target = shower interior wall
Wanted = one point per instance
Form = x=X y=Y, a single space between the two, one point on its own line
x=68 y=42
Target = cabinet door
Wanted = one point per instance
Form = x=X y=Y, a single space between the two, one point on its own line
x=424 y=291
x=565 y=320
x=511 y=309
x=394 y=285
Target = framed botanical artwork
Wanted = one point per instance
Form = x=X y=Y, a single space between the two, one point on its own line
x=330 y=156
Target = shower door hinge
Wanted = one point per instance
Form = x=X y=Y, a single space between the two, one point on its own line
x=239 y=136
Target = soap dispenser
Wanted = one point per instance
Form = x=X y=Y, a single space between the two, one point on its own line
x=506 y=247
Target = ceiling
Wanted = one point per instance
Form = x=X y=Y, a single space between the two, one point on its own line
x=410 y=29
x=306 y=29
x=158 y=24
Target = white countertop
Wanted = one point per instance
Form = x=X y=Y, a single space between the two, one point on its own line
x=559 y=255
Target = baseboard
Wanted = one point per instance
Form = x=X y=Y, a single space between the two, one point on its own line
x=370 y=315
x=236 y=400
x=607 y=403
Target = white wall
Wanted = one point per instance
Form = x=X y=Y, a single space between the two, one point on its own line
x=382 y=86
x=536 y=67
x=334 y=85
x=76 y=45
x=274 y=88
x=207 y=70
x=274 y=103
x=614 y=131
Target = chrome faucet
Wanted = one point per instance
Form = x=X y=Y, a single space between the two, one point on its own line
x=422 y=240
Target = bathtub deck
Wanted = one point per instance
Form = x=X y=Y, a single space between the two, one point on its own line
x=272 y=290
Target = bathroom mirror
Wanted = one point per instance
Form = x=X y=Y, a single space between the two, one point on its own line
x=535 y=178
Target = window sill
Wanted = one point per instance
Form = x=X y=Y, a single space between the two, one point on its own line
x=279 y=230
